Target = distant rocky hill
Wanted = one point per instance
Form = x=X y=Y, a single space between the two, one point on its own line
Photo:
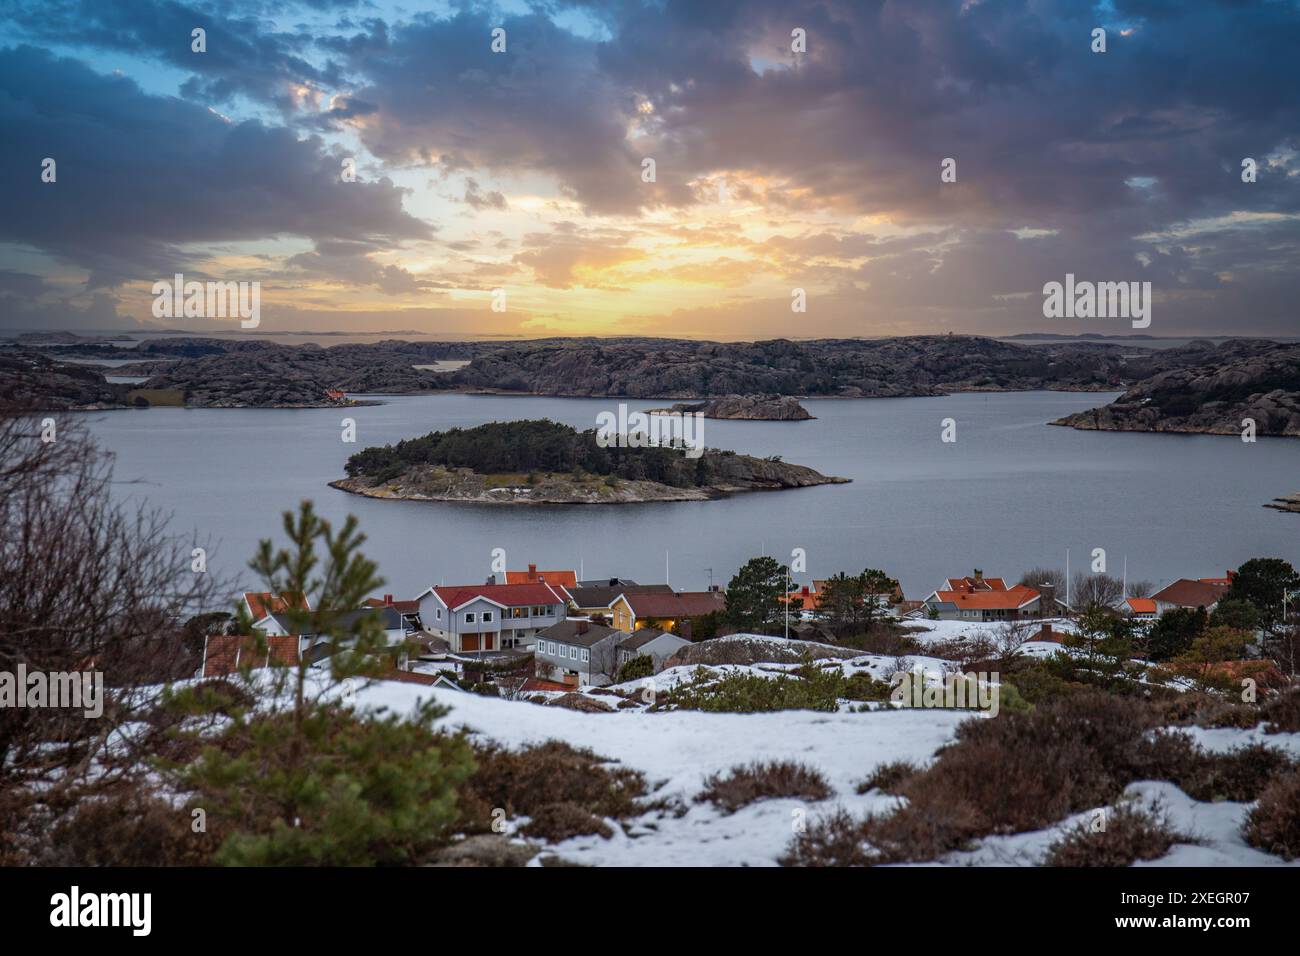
x=1214 y=392
x=215 y=372
x=29 y=379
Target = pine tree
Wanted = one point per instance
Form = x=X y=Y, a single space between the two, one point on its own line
x=300 y=776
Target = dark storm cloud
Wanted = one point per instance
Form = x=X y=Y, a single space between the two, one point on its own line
x=138 y=175
x=242 y=56
x=1125 y=155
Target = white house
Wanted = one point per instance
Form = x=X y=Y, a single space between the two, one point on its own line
x=491 y=617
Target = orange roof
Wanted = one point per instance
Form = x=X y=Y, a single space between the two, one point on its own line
x=262 y=603
x=811 y=599
x=1142 y=605
x=996 y=599
x=565 y=579
x=1225 y=581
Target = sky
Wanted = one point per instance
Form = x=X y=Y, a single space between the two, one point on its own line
x=775 y=169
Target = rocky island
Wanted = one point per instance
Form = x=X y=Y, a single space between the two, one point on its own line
x=752 y=408
x=544 y=462
x=1286 y=503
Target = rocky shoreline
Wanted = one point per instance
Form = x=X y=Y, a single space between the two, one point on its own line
x=438 y=483
x=1286 y=503
x=1225 y=391
x=752 y=408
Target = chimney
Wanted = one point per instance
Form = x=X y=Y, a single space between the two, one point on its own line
x=581 y=627
x=532 y=572
x=388 y=600
x=805 y=590
x=613 y=582
x=979 y=576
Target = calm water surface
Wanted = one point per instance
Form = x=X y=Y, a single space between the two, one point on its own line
x=1009 y=494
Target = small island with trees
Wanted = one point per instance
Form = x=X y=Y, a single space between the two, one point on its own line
x=545 y=462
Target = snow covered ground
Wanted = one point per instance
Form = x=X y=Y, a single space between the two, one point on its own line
x=678 y=750
x=1215 y=826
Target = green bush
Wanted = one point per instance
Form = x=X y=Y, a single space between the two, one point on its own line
x=739 y=692
x=361 y=789
x=637 y=668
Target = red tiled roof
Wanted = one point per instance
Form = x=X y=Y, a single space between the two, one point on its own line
x=1142 y=605
x=970 y=584
x=565 y=579
x=226 y=653
x=262 y=603
x=1224 y=581
x=675 y=605
x=1187 y=593
x=992 y=600
x=401 y=607
x=509 y=595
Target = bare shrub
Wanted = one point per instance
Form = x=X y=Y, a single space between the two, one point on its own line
x=522 y=782
x=889 y=777
x=763 y=781
x=554 y=822
x=834 y=840
x=1274 y=824
x=1130 y=834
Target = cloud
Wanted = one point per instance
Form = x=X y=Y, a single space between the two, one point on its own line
x=139 y=177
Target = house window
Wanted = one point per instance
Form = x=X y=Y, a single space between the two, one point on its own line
x=469 y=617
x=550 y=647
x=586 y=655
x=439 y=615
x=519 y=612
x=487 y=617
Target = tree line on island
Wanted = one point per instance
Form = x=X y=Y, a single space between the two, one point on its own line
x=536 y=446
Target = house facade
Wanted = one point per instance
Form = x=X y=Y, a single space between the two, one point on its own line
x=674 y=610
x=977 y=598
x=591 y=598
x=1189 y=594
x=491 y=617
x=1141 y=609
x=577 y=652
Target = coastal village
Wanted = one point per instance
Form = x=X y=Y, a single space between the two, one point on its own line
x=547 y=633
